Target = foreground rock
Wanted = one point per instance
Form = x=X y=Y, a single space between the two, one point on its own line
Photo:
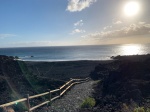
x=125 y=85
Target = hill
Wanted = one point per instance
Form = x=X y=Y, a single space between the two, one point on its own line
x=124 y=85
x=17 y=81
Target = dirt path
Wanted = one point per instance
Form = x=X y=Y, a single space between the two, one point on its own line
x=73 y=99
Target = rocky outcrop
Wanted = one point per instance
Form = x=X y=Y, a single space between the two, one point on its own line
x=123 y=82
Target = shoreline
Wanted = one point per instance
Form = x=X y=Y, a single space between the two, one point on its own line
x=64 y=60
x=111 y=58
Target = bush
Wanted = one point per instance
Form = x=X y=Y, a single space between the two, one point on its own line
x=88 y=103
x=141 y=109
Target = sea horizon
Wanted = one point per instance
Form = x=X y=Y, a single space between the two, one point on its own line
x=75 y=53
x=76 y=45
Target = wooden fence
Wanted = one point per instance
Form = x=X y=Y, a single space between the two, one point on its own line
x=61 y=91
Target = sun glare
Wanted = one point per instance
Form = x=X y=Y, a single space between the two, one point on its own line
x=131 y=49
x=131 y=8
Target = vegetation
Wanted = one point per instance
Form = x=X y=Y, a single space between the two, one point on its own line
x=141 y=109
x=88 y=103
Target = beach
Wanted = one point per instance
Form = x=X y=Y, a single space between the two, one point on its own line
x=63 y=70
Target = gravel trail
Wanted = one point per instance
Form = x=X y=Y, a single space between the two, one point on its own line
x=72 y=100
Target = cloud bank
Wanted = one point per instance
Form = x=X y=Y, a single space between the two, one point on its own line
x=131 y=30
x=79 y=5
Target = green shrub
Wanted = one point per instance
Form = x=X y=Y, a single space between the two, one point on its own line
x=88 y=103
x=148 y=110
x=141 y=109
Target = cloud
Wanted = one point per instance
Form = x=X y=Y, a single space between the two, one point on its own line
x=77 y=31
x=141 y=23
x=117 y=22
x=131 y=30
x=107 y=27
x=79 y=5
x=2 y=36
x=78 y=23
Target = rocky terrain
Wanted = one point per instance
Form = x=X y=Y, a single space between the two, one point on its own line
x=125 y=85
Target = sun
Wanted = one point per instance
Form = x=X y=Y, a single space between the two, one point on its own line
x=131 y=8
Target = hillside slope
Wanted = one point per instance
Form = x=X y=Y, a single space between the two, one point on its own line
x=13 y=80
x=16 y=82
x=125 y=85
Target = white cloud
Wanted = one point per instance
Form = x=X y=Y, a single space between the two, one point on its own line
x=78 y=23
x=2 y=36
x=79 y=5
x=117 y=22
x=133 y=29
x=141 y=23
x=77 y=31
x=107 y=27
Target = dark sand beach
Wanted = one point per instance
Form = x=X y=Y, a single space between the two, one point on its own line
x=63 y=70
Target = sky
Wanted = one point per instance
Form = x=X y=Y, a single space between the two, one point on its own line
x=27 y=23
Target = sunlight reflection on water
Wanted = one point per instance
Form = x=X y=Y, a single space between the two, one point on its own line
x=70 y=53
x=131 y=49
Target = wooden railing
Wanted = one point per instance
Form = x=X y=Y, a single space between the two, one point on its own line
x=61 y=91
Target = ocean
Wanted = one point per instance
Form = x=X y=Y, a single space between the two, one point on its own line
x=71 y=53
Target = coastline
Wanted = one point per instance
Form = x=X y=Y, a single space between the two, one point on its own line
x=51 y=61
x=63 y=70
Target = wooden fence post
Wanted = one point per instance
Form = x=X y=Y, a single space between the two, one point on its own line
x=28 y=103
x=71 y=79
x=50 y=96
x=59 y=92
